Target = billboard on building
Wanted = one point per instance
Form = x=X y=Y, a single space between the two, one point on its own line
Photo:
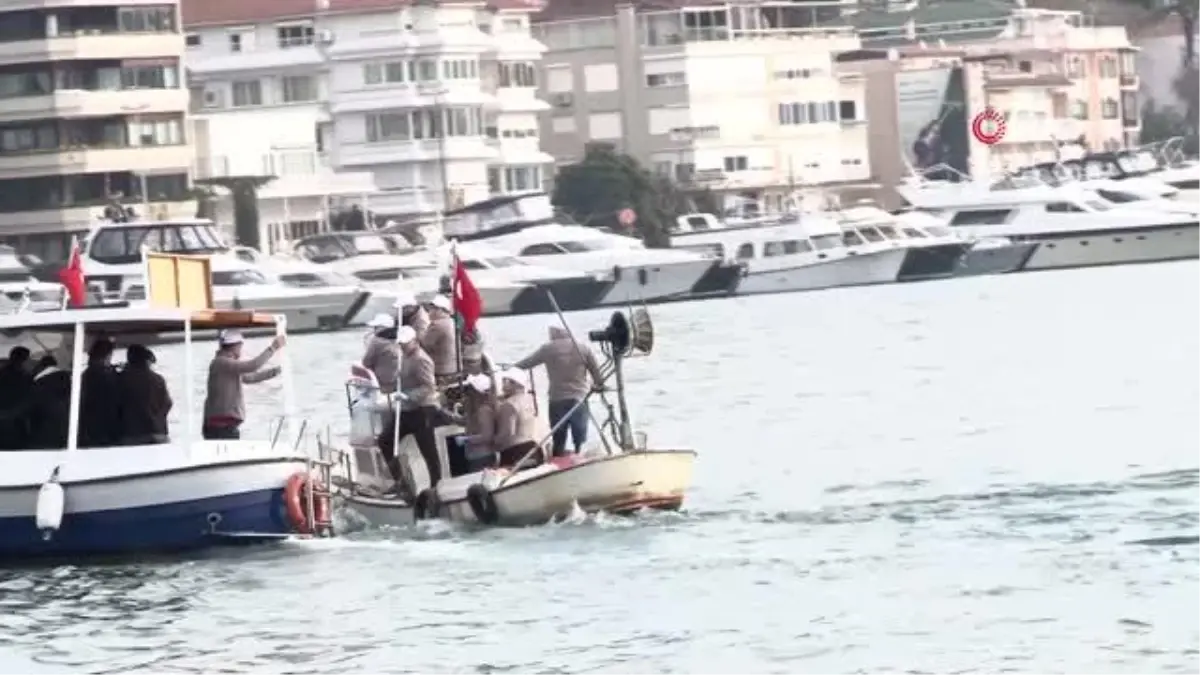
x=931 y=117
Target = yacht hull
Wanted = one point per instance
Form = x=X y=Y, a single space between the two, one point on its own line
x=995 y=259
x=571 y=294
x=636 y=284
x=721 y=279
x=936 y=261
x=856 y=269
x=1115 y=247
x=316 y=311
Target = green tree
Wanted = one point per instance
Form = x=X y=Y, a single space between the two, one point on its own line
x=243 y=190
x=596 y=189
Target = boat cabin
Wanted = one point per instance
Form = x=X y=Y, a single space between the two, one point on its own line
x=112 y=250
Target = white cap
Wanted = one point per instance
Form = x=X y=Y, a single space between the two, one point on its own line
x=229 y=337
x=514 y=375
x=405 y=298
x=441 y=302
x=479 y=382
x=405 y=334
x=381 y=321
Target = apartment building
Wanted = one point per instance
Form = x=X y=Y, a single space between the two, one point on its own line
x=93 y=108
x=743 y=99
x=1064 y=86
x=436 y=101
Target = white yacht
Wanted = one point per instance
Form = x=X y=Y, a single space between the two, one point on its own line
x=788 y=253
x=1134 y=191
x=113 y=266
x=295 y=272
x=20 y=290
x=1074 y=227
x=526 y=226
x=930 y=251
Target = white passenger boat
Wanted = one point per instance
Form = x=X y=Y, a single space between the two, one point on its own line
x=112 y=263
x=621 y=476
x=58 y=499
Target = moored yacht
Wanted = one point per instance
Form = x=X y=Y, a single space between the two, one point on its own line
x=1074 y=227
x=19 y=289
x=112 y=257
x=788 y=253
x=929 y=252
x=526 y=226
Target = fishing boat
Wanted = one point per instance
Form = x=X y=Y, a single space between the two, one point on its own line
x=623 y=475
x=177 y=494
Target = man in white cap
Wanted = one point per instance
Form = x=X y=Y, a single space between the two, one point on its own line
x=382 y=355
x=516 y=421
x=411 y=313
x=479 y=423
x=568 y=365
x=418 y=408
x=224 y=407
x=441 y=339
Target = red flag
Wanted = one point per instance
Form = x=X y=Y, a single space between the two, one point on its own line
x=71 y=277
x=465 y=300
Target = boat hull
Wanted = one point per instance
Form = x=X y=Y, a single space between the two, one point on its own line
x=619 y=483
x=935 y=261
x=572 y=294
x=635 y=284
x=318 y=310
x=721 y=279
x=995 y=259
x=378 y=512
x=1115 y=247
x=165 y=511
x=855 y=269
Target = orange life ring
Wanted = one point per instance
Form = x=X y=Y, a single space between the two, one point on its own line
x=294 y=498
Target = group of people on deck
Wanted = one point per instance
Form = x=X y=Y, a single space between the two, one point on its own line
x=117 y=406
x=415 y=355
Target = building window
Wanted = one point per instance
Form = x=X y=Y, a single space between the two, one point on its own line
x=1074 y=67
x=1079 y=109
x=813 y=112
x=519 y=133
x=1109 y=109
x=798 y=73
x=495 y=185
x=518 y=75
x=705 y=25
x=393 y=72
x=1128 y=63
x=460 y=69
x=148 y=77
x=427 y=70
x=1108 y=67
x=404 y=125
x=193 y=40
x=848 y=110
x=241 y=40
x=247 y=93
x=522 y=178
x=738 y=163
x=168 y=131
x=294 y=35
x=146 y=19
x=299 y=88
x=666 y=79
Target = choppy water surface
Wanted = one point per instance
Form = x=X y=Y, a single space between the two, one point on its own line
x=991 y=474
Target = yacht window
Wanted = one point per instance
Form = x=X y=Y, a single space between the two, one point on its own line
x=914 y=233
x=1185 y=184
x=323 y=249
x=473 y=265
x=397 y=245
x=802 y=246
x=189 y=240
x=889 y=232
x=585 y=246
x=368 y=244
x=1118 y=197
x=745 y=252
x=825 y=242
x=851 y=238
x=238 y=278
x=938 y=231
x=870 y=234
x=772 y=249
x=245 y=256
x=153 y=240
x=1062 y=207
x=117 y=246
x=302 y=280
x=418 y=272
x=542 y=249
x=981 y=217
x=1097 y=205
x=698 y=223
x=504 y=261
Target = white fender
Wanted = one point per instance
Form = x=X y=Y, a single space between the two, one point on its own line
x=50 y=506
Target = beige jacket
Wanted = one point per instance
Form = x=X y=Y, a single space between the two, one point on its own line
x=439 y=342
x=225 y=378
x=474 y=360
x=480 y=423
x=566 y=370
x=516 y=422
x=383 y=358
x=417 y=380
x=418 y=321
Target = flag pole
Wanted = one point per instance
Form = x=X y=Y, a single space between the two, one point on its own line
x=458 y=329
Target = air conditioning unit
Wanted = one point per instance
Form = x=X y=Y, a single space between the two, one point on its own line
x=565 y=100
x=212 y=99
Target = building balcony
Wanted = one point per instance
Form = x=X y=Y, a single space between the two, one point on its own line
x=427 y=150
x=92 y=45
x=297 y=174
x=66 y=103
x=1129 y=81
x=411 y=96
x=77 y=160
x=204 y=67
x=520 y=100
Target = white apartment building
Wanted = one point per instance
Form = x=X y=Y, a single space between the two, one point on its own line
x=743 y=99
x=436 y=102
x=92 y=107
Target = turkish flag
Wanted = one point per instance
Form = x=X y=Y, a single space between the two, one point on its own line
x=465 y=299
x=71 y=277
